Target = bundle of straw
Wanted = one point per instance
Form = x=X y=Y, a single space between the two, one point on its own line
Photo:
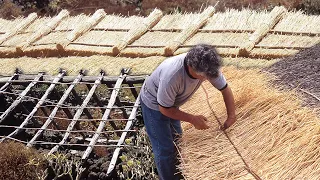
x=273 y=138
x=22 y=25
x=83 y=28
x=189 y=31
x=275 y=15
x=44 y=30
x=137 y=31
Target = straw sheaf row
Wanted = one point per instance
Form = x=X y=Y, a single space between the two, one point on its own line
x=273 y=138
x=246 y=33
x=112 y=65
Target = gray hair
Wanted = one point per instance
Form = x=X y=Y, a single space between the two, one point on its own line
x=204 y=59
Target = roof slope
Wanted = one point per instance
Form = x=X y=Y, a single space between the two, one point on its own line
x=246 y=33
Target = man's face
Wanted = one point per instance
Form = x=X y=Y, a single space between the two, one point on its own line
x=201 y=76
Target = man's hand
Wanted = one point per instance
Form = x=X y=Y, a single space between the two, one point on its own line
x=228 y=123
x=199 y=122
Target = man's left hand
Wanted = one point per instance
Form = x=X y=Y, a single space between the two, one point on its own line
x=228 y=123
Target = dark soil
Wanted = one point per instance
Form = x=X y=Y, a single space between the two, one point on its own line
x=302 y=73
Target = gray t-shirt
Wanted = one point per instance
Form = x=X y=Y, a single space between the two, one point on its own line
x=171 y=85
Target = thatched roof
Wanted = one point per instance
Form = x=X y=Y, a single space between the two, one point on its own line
x=273 y=138
x=270 y=34
x=270 y=139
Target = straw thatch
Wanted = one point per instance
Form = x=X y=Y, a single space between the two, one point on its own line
x=93 y=64
x=26 y=22
x=245 y=19
x=298 y=22
x=44 y=30
x=274 y=137
x=189 y=31
x=82 y=28
x=255 y=32
x=139 y=30
x=276 y=14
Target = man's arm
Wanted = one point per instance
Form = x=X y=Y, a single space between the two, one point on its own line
x=229 y=103
x=199 y=122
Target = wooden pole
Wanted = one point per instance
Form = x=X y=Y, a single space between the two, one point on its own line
x=40 y=102
x=78 y=114
x=9 y=81
x=123 y=136
x=20 y=97
x=55 y=110
x=106 y=114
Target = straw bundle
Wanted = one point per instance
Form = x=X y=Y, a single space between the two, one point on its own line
x=189 y=31
x=136 y=32
x=80 y=50
x=97 y=38
x=19 y=27
x=156 y=38
x=287 y=41
x=141 y=52
x=232 y=19
x=275 y=15
x=222 y=51
x=44 y=30
x=72 y=22
x=176 y=21
x=3 y=25
x=93 y=64
x=299 y=22
x=272 y=53
x=119 y=22
x=274 y=136
x=83 y=28
x=218 y=39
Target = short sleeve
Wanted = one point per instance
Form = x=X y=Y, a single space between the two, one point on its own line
x=219 y=82
x=166 y=94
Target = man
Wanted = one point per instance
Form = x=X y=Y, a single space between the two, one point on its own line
x=169 y=86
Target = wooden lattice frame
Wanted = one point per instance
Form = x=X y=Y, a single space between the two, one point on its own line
x=91 y=82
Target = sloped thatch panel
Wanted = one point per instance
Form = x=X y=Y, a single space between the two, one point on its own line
x=298 y=22
x=275 y=40
x=176 y=21
x=72 y=22
x=231 y=29
x=237 y=20
x=119 y=22
x=218 y=39
x=105 y=38
x=93 y=64
x=157 y=38
x=274 y=136
x=37 y=24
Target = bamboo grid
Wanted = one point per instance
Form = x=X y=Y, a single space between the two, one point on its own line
x=34 y=109
x=234 y=33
